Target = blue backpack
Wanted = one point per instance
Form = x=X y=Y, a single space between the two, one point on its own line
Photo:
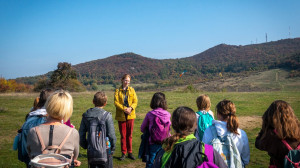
x=204 y=121
x=22 y=143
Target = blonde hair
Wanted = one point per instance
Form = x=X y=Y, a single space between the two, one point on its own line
x=203 y=102
x=60 y=105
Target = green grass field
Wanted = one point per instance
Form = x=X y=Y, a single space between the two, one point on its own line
x=14 y=107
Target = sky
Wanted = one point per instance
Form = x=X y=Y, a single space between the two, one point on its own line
x=35 y=35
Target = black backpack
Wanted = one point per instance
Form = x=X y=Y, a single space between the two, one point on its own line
x=96 y=149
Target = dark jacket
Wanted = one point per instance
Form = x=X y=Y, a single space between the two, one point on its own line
x=144 y=147
x=187 y=155
x=84 y=126
x=274 y=146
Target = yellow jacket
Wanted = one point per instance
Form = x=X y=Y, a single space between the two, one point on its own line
x=119 y=101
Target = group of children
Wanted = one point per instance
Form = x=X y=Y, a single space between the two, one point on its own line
x=197 y=139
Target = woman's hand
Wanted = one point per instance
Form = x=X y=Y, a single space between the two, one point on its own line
x=128 y=110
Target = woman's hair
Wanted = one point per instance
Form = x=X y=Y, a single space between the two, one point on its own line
x=36 y=101
x=159 y=100
x=125 y=76
x=203 y=102
x=281 y=117
x=226 y=109
x=100 y=99
x=184 y=123
x=43 y=98
x=60 y=105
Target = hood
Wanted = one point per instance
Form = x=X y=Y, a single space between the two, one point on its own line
x=41 y=111
x=93 y=112
x=221 y=127
x=164 y=115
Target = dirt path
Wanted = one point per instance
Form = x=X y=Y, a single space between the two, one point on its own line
x=250 y=122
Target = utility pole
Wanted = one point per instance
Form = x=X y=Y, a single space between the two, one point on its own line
x=266 y=37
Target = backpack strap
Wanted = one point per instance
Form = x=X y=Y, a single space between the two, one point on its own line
x=40 y=138
x=285 y=143
x=103 y=117
x=298 y=147
x=209 y=152
x=64 y=141
x=53 y=146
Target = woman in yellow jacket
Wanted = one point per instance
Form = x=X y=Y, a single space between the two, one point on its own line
x=126 y=103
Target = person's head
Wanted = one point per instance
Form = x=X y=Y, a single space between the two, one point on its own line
x=60 y=105
x=125 y=80
x=226 y=111
x=43 y=98
x=100 y=99
x=183 y=123
x=281 y=116
x=203 y=102
x=159 y=100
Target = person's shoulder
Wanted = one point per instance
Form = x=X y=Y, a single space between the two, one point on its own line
x=118 y=88
x=108 y=113
x=131 y=88
x=74 y=132
x=242 y=133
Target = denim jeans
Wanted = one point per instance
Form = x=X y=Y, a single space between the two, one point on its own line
x=153 y=149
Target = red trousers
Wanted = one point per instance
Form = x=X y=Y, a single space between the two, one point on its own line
x=126 y=129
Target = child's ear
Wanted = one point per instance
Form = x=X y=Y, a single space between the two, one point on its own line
x=104 y=104
x=93 y=102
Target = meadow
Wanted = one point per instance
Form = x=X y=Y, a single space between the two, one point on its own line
x=250 y=107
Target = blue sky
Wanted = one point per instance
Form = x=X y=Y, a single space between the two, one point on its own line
x=37 y=34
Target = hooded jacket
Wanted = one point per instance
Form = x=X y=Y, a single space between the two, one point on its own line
x=162 y=114
x=240 y=140
x=119 y=103
x=187 y=154
x=84 y=126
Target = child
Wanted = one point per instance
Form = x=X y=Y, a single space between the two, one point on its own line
x=36 y=117
x=182 y=149
x=59 y=107
x=100 y=100
x=159 y=109
x=280 y=117
x=204 y=115
x=227 y=123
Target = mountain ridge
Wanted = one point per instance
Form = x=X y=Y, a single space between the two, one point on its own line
x=229 y=60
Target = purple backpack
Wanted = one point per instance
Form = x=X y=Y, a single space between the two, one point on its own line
x=208 y=157
x=159 y=130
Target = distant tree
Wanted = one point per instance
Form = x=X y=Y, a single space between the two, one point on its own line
x=63 y=73
x=13 y=86
x=64 y=77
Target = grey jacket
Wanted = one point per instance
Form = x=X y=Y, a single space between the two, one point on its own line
x=84 y=126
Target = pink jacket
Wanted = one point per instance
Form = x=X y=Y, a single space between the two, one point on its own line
x=164 y=115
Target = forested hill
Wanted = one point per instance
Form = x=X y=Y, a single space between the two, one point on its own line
x=220 y=61
x=227 y=59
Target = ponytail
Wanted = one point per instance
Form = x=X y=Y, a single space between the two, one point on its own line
x=233 y=124
x=169 y=142
x=227 y=110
